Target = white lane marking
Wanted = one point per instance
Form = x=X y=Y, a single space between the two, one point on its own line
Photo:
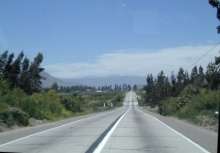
x=44 y=131
x=176 y=132
x=37 y=133
x=108 y=135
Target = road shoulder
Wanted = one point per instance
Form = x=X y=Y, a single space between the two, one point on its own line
x=11 y=135
x=204 y=137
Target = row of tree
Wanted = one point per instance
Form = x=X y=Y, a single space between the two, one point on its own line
x=70 y=89
x=164 y=86
x=21 y=72
x=116 y=87
x=79 y=88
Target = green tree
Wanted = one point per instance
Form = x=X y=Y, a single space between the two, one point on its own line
x=186 y=78
x=7 y=67
x=194 y=75
x=167 y=87
x=149 y=90
x=135 y=87
x=35 y=74
x=201 y=77
x=173 y=85
x=24 y=81
x=212 y=76
x=3 y=61
x=181 y=78
x=14 y=71
x=160 y=85
x=55 y=86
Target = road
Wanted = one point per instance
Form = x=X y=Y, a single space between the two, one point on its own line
x=125 y=130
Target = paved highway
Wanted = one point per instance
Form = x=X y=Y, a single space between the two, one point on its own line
x=124 y=130
x=139 y=132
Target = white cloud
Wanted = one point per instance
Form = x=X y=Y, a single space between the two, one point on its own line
x=136 y=63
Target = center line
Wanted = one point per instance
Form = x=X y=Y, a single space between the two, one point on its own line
x=108 y=135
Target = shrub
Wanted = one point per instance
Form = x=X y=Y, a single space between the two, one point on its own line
x=199 y=106
x=3 y=107
x=15 y=97
x=4 y=87
x=190 y=90
x=14 y=116
x=44 y=105
x=117 y=100
x=71 y=103
x=168 y=106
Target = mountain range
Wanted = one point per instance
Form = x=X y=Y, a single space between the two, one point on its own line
x=92 y=81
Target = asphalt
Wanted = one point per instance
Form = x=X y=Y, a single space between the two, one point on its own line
x=124 y=130
x=73 y=137
x=204 y=137
x=140 y=132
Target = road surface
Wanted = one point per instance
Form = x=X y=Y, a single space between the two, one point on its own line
x=124 y=130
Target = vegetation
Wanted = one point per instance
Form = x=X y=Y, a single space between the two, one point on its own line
x=72 y=89
x=84 y=88
x=22 y=98
x=194 y=96
x=92 y=101
x=20 y=72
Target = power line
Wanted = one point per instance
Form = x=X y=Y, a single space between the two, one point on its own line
x=205 y=54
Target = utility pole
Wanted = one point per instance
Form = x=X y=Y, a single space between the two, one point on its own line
x=216 y=4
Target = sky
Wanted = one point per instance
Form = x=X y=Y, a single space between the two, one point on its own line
x=81 y=38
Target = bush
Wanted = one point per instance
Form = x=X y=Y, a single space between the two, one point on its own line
x=16 y=106
x=44 y=105
x=190 y=90
x=14 y=97
x=117 y=100
x=168 y=107
x=4 y=87
x=207 y=100
x=3 y=107
x=198 y=105
x=14 y=116
x=72 y=103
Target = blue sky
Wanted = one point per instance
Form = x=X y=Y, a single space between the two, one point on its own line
x=78 y=34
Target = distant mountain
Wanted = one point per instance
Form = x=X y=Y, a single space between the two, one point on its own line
x=93 y=81
x=48 y=80
x=108 y=80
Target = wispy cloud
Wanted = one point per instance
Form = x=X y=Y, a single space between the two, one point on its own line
x=136 y=63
